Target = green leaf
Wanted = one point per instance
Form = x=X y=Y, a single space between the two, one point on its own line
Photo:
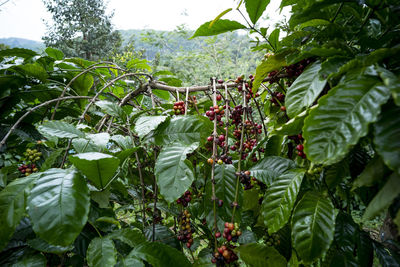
x=99 y=139
x=383 y=198
x=304 y=90
x=161 y=94
x=247 y=237
x=33 y=70
x=43 y=246
x=280 y=198
x=386 y=136
x=18 y=52
x=101 y=252
x=373 y=172
x=146 y=124
x=219 y=26
x=125 y=142
x=274 y=38
x=259 y=255
x=51 y=159
x=274 y=62
x=37 y=260
x=219 y=16
x=160 y=255
x=54 y=53
x=131 y=237
x=162 y=234
x=173 y=172
x=139 y=64
x=387 y=257
x=82 y=145
x=293 y=126
x=172 y=81
x=111 y=109
x=99 y=168
x=255 y=8
x=59 y=129
x=83 y=83
x=59 y=206
x=101 y=197
x=186 y=129
x=269 y=168
x=313 y=226
x=391 y=81
x=314 y=23
x=225 y=187
x=342 y=118
x=12 y=206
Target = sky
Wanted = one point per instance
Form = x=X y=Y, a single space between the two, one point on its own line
x=25 y=18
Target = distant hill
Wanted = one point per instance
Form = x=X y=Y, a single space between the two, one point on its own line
x=23 y=43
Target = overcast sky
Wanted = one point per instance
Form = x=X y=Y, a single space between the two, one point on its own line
x=24 y=18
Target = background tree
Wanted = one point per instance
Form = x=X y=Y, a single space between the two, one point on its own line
x=81 y=28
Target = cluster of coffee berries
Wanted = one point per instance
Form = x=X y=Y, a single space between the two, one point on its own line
x=277 y=96
x=272 y=240
x=224 y=255
x=185 y=199
x=295 y=70
x=28 y=169
x=298 y=140
x=236 y=115
x=220 y=140
x=245 y=179
x=185 y=234
x=226 y=159
x=216 y=112
x=273 y=77
x=32 y=155
x=252 y=129
x=231 y=232
x=179 y=107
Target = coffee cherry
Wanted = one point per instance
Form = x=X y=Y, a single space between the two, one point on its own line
x=219 y=97
x=300 y=147
x=210 y=139
x=217 y=234
x=210 y=161
x=220 y=202
x=283 y=108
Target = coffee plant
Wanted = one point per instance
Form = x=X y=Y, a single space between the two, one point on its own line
x=107 y=165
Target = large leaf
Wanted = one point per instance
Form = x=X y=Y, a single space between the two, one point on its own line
x=12 y=206
x=186 y=129
x=271 y=167
x=219 y=26
x=313 y=226
x=391 y=81
x=386 y=136
x=60 y=129
x=373 y=172
x=304 y=90
x=255 y=8
x=160 y=255
x=342 y=118
x=259 y=255
x=384 y=198
x=225 y=186
x=43 y=246
x=111 y=109
x=99 y=139
x=59 y=206
x=280 y=198
x=99 y=168
x=146 y=124
x=173 y=172
x=36 y=260
x=54 y=53
x=101 y=252
x=387 y=257
x=33 y=70
x=293 y=126
x=162 y=234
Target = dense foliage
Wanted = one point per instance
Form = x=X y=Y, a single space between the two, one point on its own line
x=105 y=165
x=81 y=28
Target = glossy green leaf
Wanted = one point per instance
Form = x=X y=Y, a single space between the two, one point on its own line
x=12 y=206
x=125 y=142
x=374 y=172
x=387 y=257
x=391 y=81
x=160 y=255
x=384 y=197
x=43 y=246
x=101 y=252
x=386 y=136
x=99 y=139
x=132 y=237
x=146 y=124
x=342 y=118
x=36 y=260
x=162 y=94
x=111 y=108
x=83 y=83
x=274 y=62
x=131 y=261
x=280 y=198
x=54 y=53
x=32 y=70
x=219 y=16
x=346 y=231
x=219 y=26
x=313 y=226
x=259 y=255
x=173 y=172
x=186 y=129
x=162 y=234
x=59 y=206
x=314 y=23
x=247 y=237
x=139 y=64
x=82 y=145
x=255 y=8
x=304 y=90
x=99 y=168
x=269 y=168
x=18 y=52
x=293 y=126
x=51 y=159
x=60 y=129
x=225 y=187
x=273 y=38
x=336 y=173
